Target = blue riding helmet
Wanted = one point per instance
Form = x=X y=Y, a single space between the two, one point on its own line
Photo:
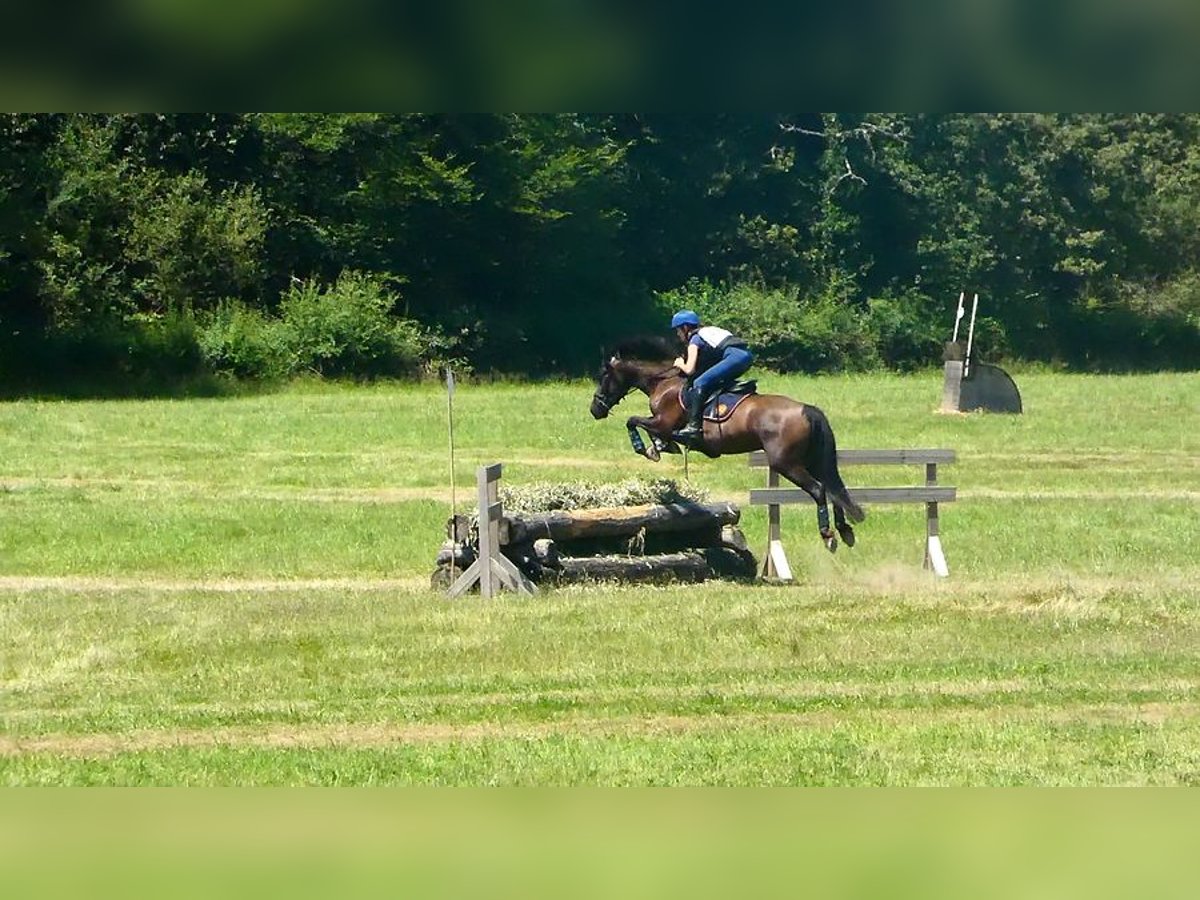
x=685 y=317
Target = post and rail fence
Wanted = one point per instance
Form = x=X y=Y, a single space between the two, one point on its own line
x=775 y=564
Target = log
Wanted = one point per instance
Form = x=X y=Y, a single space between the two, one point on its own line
x=641 y=544
x=660 y=567
x=458 y=528
x=732 y=536
x=731 y=562
x=546 y=552
x=688 y=566
x=440 y=579
x=565 y=525
x=462 y=554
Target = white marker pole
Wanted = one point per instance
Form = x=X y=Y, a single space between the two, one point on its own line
x=970 y=336
x=453 y=498
x=958 y=316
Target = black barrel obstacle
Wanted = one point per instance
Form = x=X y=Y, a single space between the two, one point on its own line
x=972 y=385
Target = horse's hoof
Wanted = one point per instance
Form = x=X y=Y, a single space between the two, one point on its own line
x=652 y=454
x=847 y=534
x=830 y=542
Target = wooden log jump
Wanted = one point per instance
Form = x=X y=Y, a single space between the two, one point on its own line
x=618 y=521
x=682 y=541
x=660 y=542
x=775 y=564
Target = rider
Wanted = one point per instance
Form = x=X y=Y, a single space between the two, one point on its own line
x=713 y=359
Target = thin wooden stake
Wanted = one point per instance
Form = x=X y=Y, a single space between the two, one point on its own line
x=959 y=314
x=970 y=337
x=453 y=498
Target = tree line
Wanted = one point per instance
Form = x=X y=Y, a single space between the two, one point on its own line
x=149 y=248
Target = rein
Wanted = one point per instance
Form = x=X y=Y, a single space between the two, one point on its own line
x=659 y=376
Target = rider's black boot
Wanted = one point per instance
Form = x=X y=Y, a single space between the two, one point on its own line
x=693 y=431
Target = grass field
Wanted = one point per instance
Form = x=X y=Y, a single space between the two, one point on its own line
x=235 y=591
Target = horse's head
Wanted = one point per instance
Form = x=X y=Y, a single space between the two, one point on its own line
x=611 y=387
x=639 y=362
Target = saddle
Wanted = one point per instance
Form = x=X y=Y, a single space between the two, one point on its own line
x=721 y=406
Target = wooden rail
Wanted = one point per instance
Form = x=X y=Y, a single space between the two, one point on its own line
x=775 y=564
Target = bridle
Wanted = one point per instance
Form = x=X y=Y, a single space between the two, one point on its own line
x=602 y=401
x=606 y=404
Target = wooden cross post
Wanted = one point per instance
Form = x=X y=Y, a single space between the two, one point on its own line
x=492 y=569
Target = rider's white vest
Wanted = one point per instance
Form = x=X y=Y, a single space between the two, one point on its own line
x=714 y=336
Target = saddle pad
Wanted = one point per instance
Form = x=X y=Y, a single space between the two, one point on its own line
x=720 y=407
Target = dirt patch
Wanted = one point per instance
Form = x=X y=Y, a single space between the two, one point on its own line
x=99 y=584
x=1139 y=457
x=355 y=736
x=1075 y=494
x=221 y=492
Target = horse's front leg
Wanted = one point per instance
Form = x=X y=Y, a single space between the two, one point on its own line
x=633 y=423
x=664 y=446
x=660 y=436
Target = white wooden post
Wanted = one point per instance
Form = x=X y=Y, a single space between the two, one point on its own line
x=934 y=557
x=970 y=337
x=775 y=563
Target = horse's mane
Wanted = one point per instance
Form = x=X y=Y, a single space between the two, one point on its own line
x=645 y=346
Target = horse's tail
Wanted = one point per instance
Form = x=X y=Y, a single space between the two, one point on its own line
x=822 y=462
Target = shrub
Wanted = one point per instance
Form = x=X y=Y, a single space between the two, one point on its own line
x=1145 y=326
x=787 y=334
x=347 y=328
x=543 y=496
x=190 y=244
x=142 y=355
x=905 y=331
x=239 y=341
x=164 y=348
x=343 y=329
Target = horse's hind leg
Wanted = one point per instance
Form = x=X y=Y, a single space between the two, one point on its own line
x=843 y=527
x=801 y=477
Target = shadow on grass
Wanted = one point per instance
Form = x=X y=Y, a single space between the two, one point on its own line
x=65 y=384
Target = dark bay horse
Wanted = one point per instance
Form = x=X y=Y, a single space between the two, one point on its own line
x=797 y=437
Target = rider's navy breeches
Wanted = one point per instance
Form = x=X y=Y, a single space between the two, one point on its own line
x=734 y=363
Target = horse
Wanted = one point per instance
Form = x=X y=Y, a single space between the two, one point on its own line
x=797 y=437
